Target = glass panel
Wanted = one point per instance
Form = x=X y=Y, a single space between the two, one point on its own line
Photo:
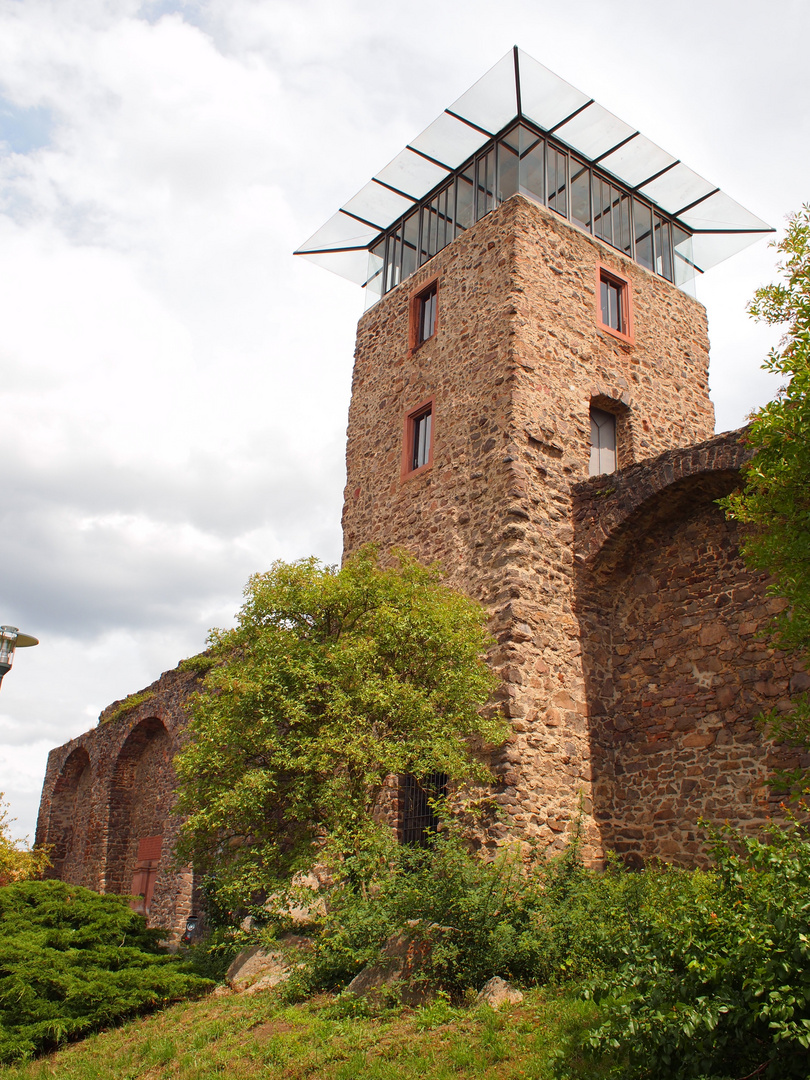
x=621 y=227
x=545 y=97
x=610 y=299
x=602 y=223
x=532 y=172
x=378 y=204
x=710 y=249
x=528 y=139
x=449 y=141
x=339 y=231
x=593 y=464
x=676 y=188
x=683 y=265
x=485 y=200
x=721 y=212
x=393 y=274
x=427 y=315
x=580 y=194
x=430 y=221
x=663 y=248
x=492 y=101
x=410 y=173
x=375 y=279
x=421 y=440
x=410 y=240
x=556 y=181
x=642 y=221
x=445 y=225
x=512 y=138
x=352 y=265
x=507 y=171
x=637 y=160
x=593 y=131
x=464 y=198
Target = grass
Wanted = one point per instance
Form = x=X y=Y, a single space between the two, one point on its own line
x=259 y=1036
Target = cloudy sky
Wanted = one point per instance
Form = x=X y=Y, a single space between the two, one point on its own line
x=174 y=383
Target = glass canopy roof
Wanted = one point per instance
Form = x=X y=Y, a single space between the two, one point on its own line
x=518 y=87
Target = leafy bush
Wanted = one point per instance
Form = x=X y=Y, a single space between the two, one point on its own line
x=707 y=974
x=697 y=974
x=477 y=916
x=72 y=961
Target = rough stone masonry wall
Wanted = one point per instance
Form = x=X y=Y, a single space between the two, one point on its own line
x=114 y=784
x=515 y=363
x=676 y=668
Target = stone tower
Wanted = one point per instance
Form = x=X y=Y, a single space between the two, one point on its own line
x=517 y=362
x=530 y=407
x=531 y=326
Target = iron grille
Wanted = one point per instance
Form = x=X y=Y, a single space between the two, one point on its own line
x=417 y=819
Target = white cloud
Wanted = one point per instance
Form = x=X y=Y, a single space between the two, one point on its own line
x=174 y=384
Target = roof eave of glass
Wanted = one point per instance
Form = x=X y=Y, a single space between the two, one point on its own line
x=520 y=88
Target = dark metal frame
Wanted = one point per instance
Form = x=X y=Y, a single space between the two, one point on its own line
x=401 y=257
x=397 y=266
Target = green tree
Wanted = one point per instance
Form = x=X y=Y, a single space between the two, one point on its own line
x=17 y=861
x=332 y=681
x=775 y=502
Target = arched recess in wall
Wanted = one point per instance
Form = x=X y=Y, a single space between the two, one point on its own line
x=69 y=820
x=674 y=674
x=141 y=795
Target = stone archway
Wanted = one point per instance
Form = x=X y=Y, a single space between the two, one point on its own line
x=141 y=795
x=69 y=821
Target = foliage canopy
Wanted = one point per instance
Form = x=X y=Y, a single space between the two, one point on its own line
x=775 y=502
x=332 y=681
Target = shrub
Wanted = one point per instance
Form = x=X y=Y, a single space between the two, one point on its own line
x=477 y=916
x=72 y=961
x=708 y=975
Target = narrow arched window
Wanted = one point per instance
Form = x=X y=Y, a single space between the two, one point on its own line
x=603 y=442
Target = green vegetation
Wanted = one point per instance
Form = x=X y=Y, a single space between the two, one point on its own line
x=696 y=974
x=259 y=1038
x=704 y=974
x=663 y=974
x=332 y=681
x=200 y=663
x=17 y=861
x=775 y=503
x=479 y=918
x=126 y=706
x=72 y=961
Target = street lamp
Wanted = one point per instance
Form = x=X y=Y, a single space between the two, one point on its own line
x=11 y=639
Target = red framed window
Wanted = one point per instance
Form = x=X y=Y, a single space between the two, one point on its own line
x=417 y=444
x=613 y=304
x=424 y=312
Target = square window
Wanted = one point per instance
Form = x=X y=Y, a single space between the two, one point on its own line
x=613 y=308
x=417 y=449
x=424 y=308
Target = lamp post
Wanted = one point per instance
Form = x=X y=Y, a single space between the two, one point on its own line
x=11 y=639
